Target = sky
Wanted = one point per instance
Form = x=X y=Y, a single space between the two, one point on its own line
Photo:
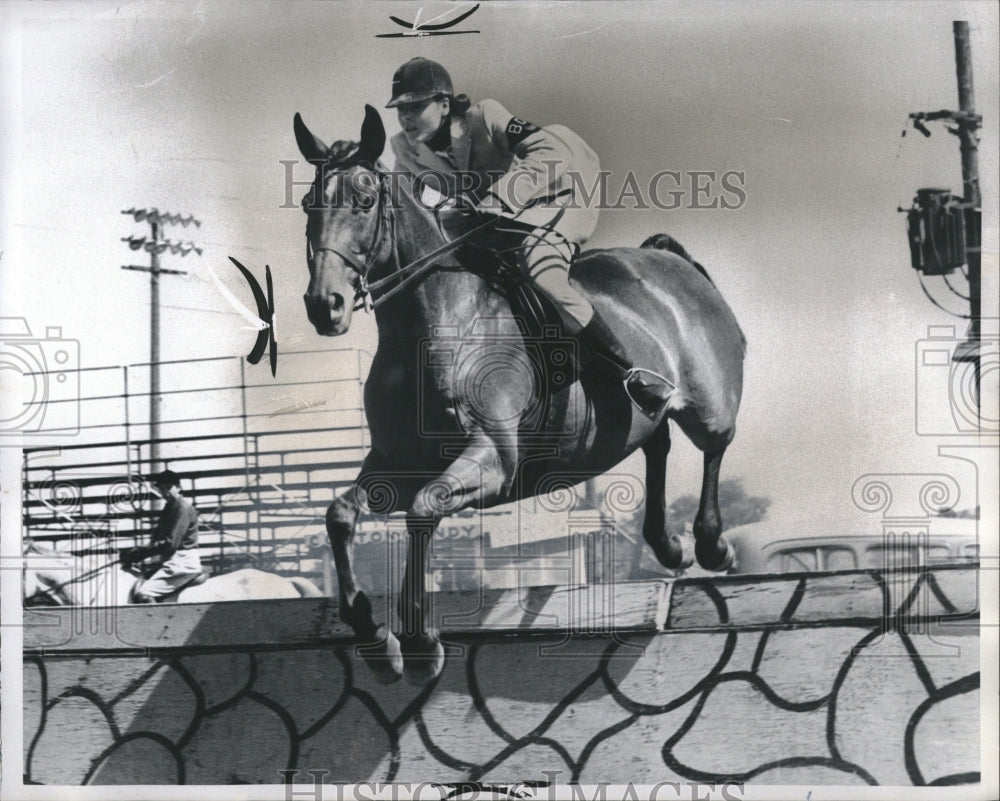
x=188 y=107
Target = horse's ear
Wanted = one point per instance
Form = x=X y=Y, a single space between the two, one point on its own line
x=310 y=146
x=372 y=136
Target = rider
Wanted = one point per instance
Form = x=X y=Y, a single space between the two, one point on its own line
x=174 y=544
x=517 y=169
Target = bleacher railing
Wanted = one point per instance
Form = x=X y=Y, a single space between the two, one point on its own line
x=261 y=458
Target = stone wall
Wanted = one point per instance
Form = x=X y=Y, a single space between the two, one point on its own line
x=846 y=678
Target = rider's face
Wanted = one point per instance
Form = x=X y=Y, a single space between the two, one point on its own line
x=420 y=121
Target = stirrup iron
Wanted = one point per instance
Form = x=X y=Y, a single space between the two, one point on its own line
x=633 y=372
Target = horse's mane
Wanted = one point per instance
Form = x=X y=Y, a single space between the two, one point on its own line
x=343 y=154
x=346 y=153
x=667 y=242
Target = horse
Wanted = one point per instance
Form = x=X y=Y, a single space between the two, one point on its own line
x=62 y=579
x=452 y=409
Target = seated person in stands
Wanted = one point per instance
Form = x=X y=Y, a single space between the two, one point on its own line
x=173 y=545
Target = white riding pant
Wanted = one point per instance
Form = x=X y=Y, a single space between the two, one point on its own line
x=545 y=259
x=177 y=571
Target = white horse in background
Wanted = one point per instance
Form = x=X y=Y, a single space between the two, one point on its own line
x=55 y=576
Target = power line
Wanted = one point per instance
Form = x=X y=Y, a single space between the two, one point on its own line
x=155 y=246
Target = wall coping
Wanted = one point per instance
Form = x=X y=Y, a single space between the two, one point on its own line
x=723 y=603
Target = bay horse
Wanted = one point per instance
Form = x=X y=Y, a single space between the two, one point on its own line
x=448 y=395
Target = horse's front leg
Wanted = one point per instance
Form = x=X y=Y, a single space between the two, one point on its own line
x=380 y=647
x=424 y=652
x=476 y=477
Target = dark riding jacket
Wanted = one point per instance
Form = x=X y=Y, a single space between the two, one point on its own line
x=177 y=529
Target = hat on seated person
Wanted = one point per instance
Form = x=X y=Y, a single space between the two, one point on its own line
x=166 y=478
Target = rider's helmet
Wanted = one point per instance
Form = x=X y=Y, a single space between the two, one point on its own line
x=417 y=80
x=166 y=478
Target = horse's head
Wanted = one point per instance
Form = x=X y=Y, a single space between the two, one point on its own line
x=42 y=580
x=347 y=227
x=31 y=587
x=43 y=590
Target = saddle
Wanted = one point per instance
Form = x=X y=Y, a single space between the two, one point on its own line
x=492 y=255
x=145 y=572
x=540 y=324
x=559 y=358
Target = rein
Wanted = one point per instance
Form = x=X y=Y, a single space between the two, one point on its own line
x=415 y=269
x=404 y=276
x=51 y=591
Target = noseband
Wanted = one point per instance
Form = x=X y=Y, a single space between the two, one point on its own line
x=359 y=262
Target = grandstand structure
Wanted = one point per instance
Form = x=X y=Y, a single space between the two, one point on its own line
x=261 y=459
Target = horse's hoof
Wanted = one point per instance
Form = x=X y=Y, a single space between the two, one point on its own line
x=423 y=658
x=712 y=560
x=384 y=657
x=687 y=553
x=674 y=552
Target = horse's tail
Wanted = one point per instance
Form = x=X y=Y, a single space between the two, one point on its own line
x=667 y=242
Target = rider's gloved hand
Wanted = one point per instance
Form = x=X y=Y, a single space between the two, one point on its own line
x=132 y=557
x=495 y=205
x=456 y=219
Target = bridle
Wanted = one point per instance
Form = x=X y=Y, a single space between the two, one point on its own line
x=360 y=260
x=55 y=591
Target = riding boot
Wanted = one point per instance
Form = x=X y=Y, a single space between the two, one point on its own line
x=648 y=390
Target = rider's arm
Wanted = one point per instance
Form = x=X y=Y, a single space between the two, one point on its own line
x=165 y=537
x=540 y=157
x=137 y=554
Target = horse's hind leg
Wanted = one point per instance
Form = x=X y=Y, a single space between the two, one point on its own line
x=712 y=550
x=668 y=548
x=380 y=648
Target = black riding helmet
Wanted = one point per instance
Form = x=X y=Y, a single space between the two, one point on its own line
x=417 y=80
x=166 y=478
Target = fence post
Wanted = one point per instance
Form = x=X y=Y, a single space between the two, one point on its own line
x=128 y=433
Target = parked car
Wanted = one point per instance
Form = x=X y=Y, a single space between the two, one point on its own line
x=808 y=546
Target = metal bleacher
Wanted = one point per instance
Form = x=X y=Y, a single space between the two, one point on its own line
x=261 y=458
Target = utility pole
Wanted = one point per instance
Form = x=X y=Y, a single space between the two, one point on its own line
x=945 y=232
x=155 y=246
x=967 y=126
